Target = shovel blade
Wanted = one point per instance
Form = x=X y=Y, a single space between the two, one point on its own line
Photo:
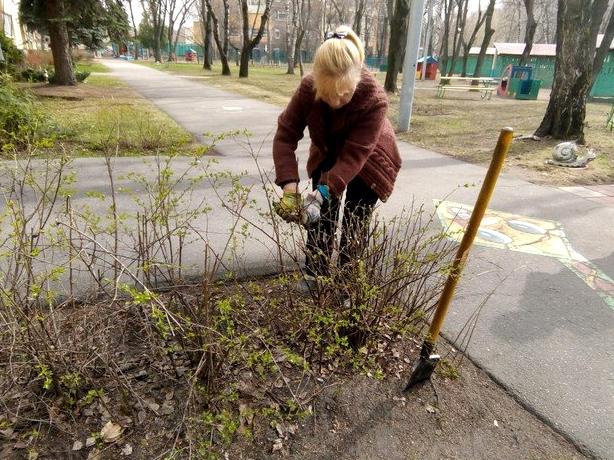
x=424 y=367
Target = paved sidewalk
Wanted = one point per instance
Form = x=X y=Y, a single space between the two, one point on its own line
x=546 y=331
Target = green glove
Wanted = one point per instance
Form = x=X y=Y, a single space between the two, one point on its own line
x=290 y=207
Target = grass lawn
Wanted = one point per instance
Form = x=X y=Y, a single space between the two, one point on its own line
x=461 y=125
x=102 y=114
x=92 y=66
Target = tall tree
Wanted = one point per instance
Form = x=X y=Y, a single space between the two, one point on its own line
x=157 y=14
x=147 y=34
x=467 y=44
x=304 y=20
x=206 y=30
x=396 y=46
x=178 y=11
x=68 y=23
x=604 y=47
x=251 y=40
x=222 y=45
x=529 y=32
x=461 y=19
x=117 y=25
x=291 y=31
x=448 y=11
x=488 y=33
x=578 y=23
x=135 y=30
x=359 y=12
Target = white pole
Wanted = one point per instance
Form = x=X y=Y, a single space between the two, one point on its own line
x=409 y=65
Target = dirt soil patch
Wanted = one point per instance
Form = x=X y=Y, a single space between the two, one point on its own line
x=135 y=399
x=469 y=417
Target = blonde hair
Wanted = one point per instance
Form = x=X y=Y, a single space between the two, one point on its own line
x=337 y=62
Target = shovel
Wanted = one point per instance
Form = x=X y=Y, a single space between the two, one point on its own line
x=424 y=367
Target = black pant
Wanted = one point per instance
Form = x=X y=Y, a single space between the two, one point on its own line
x=359 y=203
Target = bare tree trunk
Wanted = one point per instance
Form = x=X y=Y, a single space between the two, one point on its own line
x=396 y=47
x=488 y=33
x=181 y=17
x=60 y=43
x=157 y=10
x=564 y=117
x=250 y=43
x=467 y=46
x=291 y=29
x=221 y=47
x=461 y=18
x=359 y=11
x=136 y=33
x=205 y=17
x=169 y=32
x=604 y=48
x=226 y=26
x=529 y=33
x=448 y=8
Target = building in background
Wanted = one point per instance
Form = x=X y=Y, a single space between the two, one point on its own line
x=9 y=22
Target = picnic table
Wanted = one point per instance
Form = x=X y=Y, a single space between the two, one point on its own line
x=485 y=85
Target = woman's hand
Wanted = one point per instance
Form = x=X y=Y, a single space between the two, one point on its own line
x=290 y=207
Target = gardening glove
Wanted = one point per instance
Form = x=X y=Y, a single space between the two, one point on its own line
x=289 y=207
x=312 y=205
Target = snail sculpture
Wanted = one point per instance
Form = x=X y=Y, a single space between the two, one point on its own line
x=566 y=154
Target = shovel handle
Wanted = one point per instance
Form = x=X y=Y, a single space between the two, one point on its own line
x=496 y=164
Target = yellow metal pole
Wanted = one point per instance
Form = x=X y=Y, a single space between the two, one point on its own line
x=496 y=164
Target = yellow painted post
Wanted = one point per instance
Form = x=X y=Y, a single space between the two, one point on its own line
x=496 y=164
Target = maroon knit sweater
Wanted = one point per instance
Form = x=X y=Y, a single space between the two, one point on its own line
x=363 y=136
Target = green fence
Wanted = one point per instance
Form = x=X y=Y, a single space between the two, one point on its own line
x=543 y=69
x=604 y=86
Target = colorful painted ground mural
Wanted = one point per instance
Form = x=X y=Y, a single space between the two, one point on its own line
x=529 y=235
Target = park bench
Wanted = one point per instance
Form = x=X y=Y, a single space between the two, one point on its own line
x=485 y=86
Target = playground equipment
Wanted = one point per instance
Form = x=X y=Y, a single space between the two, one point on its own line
x=431 y=67
x=190 y=55
x=517 y=82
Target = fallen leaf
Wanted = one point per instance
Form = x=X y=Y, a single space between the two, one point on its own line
x=32 y=454
x=8 y=433
x=94 y=455
x=78 y=445
x=430 y=409
x=127 y=450
x=111 y=431
x=153 y=406
x=89 y=442
x=277 y=445
x=167 y=409
x=247 y=415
